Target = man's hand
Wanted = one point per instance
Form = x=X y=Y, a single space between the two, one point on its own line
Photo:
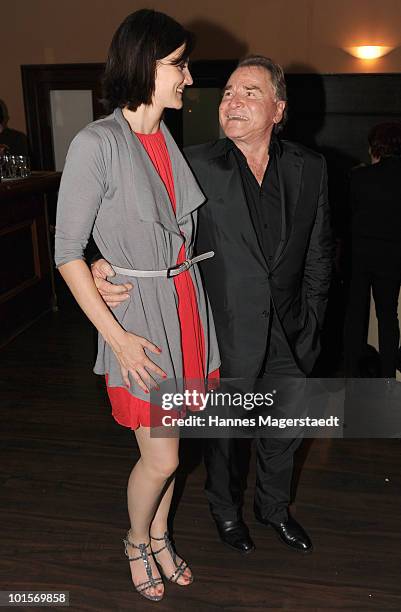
x=113 y=295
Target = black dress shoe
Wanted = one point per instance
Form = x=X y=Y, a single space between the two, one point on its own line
x=235 y=534
x=290 y=533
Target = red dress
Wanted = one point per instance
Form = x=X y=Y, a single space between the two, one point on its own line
x=131 y=411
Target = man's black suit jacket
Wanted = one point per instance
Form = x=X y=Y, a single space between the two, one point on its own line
x=240 y=283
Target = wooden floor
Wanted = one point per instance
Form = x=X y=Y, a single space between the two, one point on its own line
x=63 y=472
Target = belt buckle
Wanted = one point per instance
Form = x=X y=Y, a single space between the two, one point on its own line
x=185 y=265
x=169 y=271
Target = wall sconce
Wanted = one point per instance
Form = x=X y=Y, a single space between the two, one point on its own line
x=368 y=52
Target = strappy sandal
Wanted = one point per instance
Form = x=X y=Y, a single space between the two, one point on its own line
x=180 y=567
x=144 y=555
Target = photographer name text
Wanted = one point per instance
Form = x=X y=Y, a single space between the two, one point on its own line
x=261 y=421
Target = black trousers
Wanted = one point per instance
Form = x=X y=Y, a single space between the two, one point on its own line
x=226 y=459
x=377 y=267
x=225 y=478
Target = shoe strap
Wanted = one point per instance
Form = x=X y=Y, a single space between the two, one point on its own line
x=164 y=536
x=141 y=547
x=144 y=555
x=179 y=571
x=168 y=545
x=142 y=586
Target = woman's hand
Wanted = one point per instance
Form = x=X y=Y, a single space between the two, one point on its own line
x=112 y=294
x=133 y=359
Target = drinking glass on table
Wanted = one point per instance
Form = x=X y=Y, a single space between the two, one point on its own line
x=3 y=166
x=12 y=166
x=23 y=166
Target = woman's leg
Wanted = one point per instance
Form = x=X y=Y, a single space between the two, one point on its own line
x=158 y=529
x=147 y=481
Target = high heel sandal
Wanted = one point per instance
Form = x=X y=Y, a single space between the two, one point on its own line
x=144 y=555
x=179 y=567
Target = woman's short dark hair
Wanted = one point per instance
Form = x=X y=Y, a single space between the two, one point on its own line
x=143 y=38
x=385 y=139
x=276 y=76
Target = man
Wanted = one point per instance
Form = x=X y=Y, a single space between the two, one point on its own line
x=267 y=219
x=375 y=194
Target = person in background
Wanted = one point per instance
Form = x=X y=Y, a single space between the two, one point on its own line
x=12 y=141
x=126 y=178
x=375 y=200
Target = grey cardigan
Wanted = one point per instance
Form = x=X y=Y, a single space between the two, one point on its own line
x=110 y=187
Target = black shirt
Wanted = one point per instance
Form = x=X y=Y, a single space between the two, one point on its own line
x=263 y=200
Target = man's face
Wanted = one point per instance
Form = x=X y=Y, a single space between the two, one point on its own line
x=249 y=109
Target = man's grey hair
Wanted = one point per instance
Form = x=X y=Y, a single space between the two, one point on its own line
x=276 y=76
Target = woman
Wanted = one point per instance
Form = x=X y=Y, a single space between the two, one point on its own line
x=125 y=178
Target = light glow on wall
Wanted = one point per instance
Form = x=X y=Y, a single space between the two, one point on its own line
x=369 y=52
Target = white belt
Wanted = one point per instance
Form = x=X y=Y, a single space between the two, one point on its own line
x=173 y=271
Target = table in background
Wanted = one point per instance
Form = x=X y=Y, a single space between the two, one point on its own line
x=26 y=263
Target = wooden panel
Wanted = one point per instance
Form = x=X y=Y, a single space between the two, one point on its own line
x=18 y=246
x=26 y=278
x=25 y=283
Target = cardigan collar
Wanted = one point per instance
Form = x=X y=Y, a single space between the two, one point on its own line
x=188 y=195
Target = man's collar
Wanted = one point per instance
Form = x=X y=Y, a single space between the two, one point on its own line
x=275 y=146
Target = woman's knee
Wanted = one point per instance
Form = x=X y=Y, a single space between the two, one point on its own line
x=159 y=457
x=161 y=468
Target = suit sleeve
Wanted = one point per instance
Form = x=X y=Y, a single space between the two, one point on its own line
x=319 y=258
x=82 y=187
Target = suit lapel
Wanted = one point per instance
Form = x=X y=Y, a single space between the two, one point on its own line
x=289 y=167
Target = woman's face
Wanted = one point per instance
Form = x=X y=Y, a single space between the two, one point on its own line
x=171 y=80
